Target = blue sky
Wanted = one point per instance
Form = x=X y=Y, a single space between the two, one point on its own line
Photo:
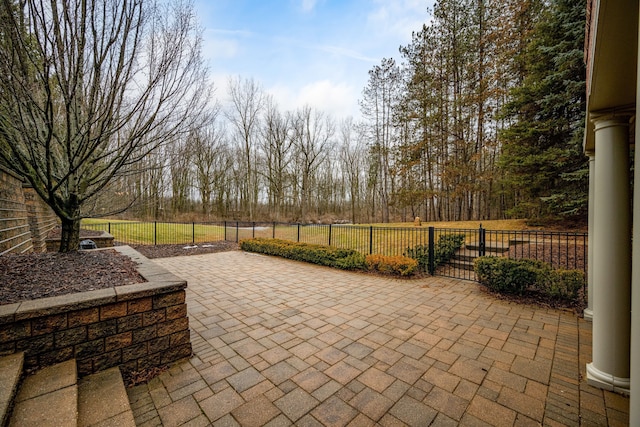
x=315 y=52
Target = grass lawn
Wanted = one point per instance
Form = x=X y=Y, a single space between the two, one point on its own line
x=391 y=239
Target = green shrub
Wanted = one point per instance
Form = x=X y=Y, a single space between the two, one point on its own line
x=395 y=265
x=522 y=276
x=446 y=247
x=565 y=284
x=443 y=250
x=420 y=253
x=346 y=259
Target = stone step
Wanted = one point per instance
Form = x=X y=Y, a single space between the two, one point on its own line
x=461 y=264
x=48 y=398
x=103 y=400
x=10 y=373
x=54 y=397
x=496 y=247
x=465 y=255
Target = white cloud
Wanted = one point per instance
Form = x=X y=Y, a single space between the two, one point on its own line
x=242 y=33
x=338 y=99
x=349 y=53
x=399 y=18
x=220 y=44
x=308 y=5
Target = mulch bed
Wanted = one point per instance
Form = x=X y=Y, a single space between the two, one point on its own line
x=25 y=277
x=539 y=300
x=40 y=275
x=166 y=251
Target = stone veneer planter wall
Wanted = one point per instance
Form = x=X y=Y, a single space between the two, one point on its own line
x=133 y=326
x=104 y=240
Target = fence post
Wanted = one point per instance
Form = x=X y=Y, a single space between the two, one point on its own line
x=329 y=234
x=370 y=239
x=298 y=232
x=193 y=232
x=431 y=266
x=253 y=230
x=109 y=227
x=155 y=232
x=237 y=231
x=482 y=244
x=274 y=229
x=225 y=231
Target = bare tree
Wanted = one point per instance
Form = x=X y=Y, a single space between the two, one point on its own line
x=353 y=158
x=90 y=87
x=211 y=161
x=180 y=161
x=247 y=101
x=277 y=145
x=313 y=131
x=380 y=98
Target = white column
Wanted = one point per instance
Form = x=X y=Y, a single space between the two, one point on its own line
x=634 y=398
x=588 y=312
x=611 y=256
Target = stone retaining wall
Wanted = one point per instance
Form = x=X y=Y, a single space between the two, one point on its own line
x=25 y=219
x=133 y=326
x=41 y=218
x=15 y=235
x=105 y=240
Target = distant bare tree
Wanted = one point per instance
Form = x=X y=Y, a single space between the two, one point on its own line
x=380 y=98
x=313 y=131
x=179 y=156
x=353 y=149
x=247 y=102
x=277 y=146
x=211 y=161
x=90 y=87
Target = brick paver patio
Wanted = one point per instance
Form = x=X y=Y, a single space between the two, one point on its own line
x=282 y=343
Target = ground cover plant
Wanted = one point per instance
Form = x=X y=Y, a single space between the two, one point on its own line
x=529 y=277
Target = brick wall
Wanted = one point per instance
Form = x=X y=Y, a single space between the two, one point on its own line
x=25 y=219
x=41 y=218
x=15 y=235
x=134 y=326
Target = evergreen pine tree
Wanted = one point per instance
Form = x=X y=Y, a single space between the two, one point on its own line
x=542 y=156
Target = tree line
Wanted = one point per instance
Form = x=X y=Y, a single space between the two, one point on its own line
x=481 y=117
x=106 y=108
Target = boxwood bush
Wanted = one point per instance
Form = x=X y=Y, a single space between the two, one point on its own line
x=526 y=276
x=346 y=259
x=443 y=250
x=395 y=265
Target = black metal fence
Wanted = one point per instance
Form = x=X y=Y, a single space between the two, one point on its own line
x=566 y=250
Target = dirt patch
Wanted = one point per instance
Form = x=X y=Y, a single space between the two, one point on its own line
x=540 y=300
x=571 y=256
x=25 y=277
x=166 y=251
